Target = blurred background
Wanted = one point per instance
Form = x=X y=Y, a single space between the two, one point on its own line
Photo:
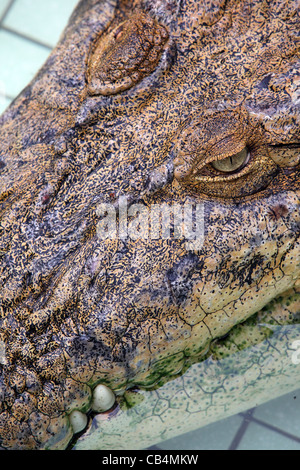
x=29 y=29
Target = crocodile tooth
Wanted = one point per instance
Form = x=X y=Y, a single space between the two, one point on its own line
x=78 y=421
x=103 y=399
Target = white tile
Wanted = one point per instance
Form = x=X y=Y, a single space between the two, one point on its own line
x=42 y=20
x=3 y=6
x=4 y=103
x=20 y=60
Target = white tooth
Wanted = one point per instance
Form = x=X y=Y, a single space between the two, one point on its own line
x=78 y=421
x=103 y=399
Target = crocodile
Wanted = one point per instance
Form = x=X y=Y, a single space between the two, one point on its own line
x=189 y=107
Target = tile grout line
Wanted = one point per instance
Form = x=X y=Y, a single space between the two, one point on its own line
x=242 y=429
x=18 y=34
x=271 y=427
x=9 y=97
x=2 y=18
x=24 y=36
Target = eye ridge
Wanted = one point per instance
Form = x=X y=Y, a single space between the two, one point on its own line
x=233 y=163
x=125 y=55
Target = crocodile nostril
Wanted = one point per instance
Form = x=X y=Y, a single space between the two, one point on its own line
x=126 y=55
x=119 y=33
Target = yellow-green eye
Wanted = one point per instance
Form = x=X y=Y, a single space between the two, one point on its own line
x=232 y=164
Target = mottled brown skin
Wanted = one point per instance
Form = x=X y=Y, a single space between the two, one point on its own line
x=77 y=311
x=128 y=52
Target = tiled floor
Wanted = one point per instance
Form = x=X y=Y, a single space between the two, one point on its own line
x=28 y=31
x=272 y=426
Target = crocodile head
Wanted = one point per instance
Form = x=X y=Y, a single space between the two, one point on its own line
x=184 y=108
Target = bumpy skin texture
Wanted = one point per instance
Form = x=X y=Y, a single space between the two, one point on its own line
x=212 y=79
x=248 y=367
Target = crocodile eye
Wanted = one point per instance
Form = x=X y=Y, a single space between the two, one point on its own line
x=223 y=155
x=232 y=164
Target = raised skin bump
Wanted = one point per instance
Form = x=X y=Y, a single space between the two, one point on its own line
x=125 y=55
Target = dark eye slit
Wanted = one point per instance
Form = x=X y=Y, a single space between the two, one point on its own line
x=293 y=145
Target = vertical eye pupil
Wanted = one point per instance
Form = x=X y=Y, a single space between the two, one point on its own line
x=232 y=164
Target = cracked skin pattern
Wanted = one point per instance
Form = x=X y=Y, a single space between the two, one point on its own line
x=200 y=83
x=255 y=356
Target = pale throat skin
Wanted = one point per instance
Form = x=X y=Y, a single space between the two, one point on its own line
x=162 y=102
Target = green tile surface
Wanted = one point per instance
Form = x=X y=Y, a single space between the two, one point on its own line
x=3 y=5
x=283 y=413
x=258 y=437
x=4 y=103
x=22 y=59
x=42 y=20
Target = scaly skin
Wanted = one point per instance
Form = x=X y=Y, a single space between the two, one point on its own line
x=144 y=100
x=256 y=362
